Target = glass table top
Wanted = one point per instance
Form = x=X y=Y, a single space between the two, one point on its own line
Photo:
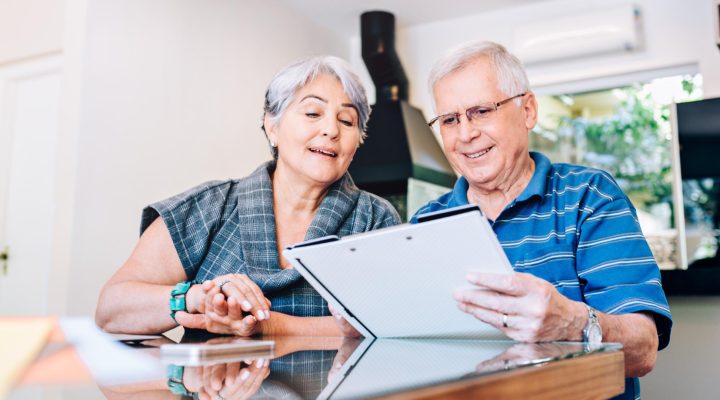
x=316 y=367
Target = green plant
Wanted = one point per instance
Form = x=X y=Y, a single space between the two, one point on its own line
x=630 y=144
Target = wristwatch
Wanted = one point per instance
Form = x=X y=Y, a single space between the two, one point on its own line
x=592 y=333
x=177 y=297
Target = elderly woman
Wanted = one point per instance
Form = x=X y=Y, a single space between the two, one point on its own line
x=210 y=257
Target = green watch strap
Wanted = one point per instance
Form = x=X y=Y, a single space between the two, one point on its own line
x=181 y=288
x=177 y=297
x=175 y=380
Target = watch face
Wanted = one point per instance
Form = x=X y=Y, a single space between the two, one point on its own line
x=594 y=334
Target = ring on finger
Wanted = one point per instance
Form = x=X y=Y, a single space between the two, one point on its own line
x=504 y=320
x=223 y=283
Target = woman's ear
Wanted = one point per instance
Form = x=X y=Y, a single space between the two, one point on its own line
x=269 y=127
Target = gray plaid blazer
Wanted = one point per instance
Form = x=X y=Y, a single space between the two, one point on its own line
x=224 y=227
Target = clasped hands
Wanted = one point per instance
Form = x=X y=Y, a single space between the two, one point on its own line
x=228 y=304
x=237 y=380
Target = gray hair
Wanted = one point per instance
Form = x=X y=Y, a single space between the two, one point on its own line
x=511 y=76
x=283 y=86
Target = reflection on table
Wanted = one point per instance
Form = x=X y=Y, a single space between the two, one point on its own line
x=311 y=367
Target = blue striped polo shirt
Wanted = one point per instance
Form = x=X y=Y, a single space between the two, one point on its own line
x=574 y=227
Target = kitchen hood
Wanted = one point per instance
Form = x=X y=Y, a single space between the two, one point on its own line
x=400 y=151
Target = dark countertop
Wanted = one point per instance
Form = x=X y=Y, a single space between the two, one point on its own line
x=694 y=281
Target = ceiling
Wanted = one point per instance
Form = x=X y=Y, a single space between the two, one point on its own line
x=343 y=16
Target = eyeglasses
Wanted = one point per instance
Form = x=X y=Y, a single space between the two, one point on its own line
x=476 y=113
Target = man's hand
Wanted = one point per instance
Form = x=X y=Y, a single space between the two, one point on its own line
x=526 y=308
x=345 y=328
x=347 y=348
x=525 y=354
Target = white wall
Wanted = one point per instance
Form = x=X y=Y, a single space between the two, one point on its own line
x=29 y=28
x=687 y=369
x=173 y=95
x=676 y=33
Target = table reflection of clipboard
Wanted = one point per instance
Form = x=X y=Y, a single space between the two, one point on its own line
x=399 y=281
x=379 y=367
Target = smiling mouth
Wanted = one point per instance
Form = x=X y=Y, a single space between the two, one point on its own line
x=323 y=152
x=478 y=154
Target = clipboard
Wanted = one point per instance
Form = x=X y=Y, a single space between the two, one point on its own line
x=398 y=282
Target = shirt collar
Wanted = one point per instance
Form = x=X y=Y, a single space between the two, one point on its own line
x=459 y=193
x=536 y=186
x=538 y=182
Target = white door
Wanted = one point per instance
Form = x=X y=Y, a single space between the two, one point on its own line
x=29 y=120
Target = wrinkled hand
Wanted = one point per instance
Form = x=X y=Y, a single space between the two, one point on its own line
x=345 y=328
x=238 y=287
x=536 y=311
x=234 y=307
x=347 y=348
x=227 y=381
x=523 y=354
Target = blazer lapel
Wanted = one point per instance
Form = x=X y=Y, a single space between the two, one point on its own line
x=259 y=233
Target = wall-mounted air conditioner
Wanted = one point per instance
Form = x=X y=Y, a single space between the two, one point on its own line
x=615 y=29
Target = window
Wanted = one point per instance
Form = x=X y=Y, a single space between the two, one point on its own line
x=626 y=131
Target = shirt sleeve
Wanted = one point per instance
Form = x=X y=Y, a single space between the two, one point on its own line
x=615 y=266
x=192 y=218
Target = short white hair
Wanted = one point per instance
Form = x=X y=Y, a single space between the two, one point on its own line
x=285 y=84
x=511 y=77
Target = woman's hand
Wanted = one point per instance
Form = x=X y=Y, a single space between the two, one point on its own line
x=345 y=328
x=229 y=304
x=226 y=316
x=227 y=381
x=238 y=287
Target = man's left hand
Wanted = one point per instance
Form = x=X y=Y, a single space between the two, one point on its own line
x=526 y=308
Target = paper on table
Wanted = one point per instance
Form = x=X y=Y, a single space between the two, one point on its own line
x=109 y=362
x=21 y=339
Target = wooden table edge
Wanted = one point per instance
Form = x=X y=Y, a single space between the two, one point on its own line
x=594 y=376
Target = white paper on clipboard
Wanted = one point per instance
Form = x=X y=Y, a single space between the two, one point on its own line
x=399 y=281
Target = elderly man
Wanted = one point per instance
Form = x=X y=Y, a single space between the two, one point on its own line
x=583 y=270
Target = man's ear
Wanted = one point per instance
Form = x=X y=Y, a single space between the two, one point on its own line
x=530 y=107
x=269 y=128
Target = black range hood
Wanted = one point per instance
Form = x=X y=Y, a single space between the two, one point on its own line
x=400 y=146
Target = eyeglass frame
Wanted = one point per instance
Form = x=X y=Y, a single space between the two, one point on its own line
x=467 y=110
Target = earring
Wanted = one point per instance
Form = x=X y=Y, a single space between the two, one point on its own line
x=273 y=144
